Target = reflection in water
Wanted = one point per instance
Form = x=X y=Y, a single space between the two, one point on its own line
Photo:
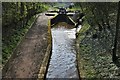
x=63 y=59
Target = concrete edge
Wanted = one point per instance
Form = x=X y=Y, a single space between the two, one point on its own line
x=45 y=64
x=78 y=57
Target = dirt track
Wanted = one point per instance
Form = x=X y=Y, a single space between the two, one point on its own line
x=27 y=58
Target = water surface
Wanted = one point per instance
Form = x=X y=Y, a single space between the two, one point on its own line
x=63 y=59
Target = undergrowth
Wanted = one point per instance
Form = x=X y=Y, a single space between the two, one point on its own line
x=12 y=41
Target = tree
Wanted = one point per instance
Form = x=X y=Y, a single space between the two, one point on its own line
x=16 y=17
x=117 y=37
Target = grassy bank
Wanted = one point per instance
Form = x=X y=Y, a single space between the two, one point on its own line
x=14 y=40
x=17 y=19
x=94 y=60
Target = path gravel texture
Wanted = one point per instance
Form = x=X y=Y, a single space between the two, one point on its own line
x=63 y=59
x=28 y=56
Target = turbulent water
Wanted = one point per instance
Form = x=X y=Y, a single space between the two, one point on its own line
x=63 y=59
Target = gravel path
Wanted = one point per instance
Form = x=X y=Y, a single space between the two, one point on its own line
x=63 y=59
x=28 y=56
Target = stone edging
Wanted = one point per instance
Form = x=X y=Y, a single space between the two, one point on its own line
x=43 y=68
x=78 y=57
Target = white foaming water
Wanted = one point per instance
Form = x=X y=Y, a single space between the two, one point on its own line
x=78 y=28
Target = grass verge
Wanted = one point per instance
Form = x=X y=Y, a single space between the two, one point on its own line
x=14 y=40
